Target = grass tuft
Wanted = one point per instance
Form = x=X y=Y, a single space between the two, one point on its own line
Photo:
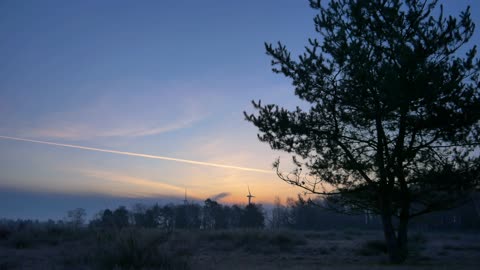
x=139 y=249
x=373 y=248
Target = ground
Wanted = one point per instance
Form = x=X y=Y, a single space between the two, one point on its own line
x=246 y=249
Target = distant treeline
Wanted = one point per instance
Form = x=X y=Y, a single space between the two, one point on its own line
x=299 y=214
x=211 y=215
x=303 y=214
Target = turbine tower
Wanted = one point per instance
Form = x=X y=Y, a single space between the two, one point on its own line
x=249 y=196
x=185 y=201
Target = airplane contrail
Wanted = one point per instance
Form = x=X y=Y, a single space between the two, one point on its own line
x=139 y=155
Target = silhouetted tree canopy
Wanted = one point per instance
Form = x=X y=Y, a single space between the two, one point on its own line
x=187 y=216
x=392 y=124
x=120 y=217
x=214 y=215
x=76 y=217
x=107 y=218
x=252 y=216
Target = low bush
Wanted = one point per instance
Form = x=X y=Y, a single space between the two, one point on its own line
x=137 y=249
x=4 y=232
x=22 y=239
x=418 y=238
x=286 y=241
x=372 y=248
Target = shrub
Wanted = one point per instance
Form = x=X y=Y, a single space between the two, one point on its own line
x=220 y=236
x=21 y=239
x=418 y=238
x=137 y=249
x=250 y=240
x=4 y=232
x=286 y=241
x=372 y=248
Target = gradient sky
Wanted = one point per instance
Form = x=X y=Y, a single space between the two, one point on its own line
x=166 y=78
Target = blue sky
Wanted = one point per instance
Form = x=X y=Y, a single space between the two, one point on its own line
x=169 y=78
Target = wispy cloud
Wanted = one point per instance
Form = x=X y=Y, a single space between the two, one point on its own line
x=133 y=185
x=150 y=110
x=80 y=131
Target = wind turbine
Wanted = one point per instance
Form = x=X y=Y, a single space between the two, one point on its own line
x=185 y=201
x=249 y=196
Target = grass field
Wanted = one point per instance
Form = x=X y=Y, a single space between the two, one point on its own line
x=242 y=249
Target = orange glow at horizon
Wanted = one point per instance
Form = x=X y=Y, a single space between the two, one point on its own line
x=201 y=182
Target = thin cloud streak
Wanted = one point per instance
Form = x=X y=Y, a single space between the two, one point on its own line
x=140 y=155
x=137 y=184
x=75 y=132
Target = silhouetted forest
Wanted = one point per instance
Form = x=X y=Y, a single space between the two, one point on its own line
x=296 y=214
x=181 y=236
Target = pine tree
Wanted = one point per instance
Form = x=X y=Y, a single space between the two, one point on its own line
x=393 y=125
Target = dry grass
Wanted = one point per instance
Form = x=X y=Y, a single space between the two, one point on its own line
x=233 y=249
x=139 y=249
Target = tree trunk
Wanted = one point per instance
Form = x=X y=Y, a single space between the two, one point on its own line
x=396 y=243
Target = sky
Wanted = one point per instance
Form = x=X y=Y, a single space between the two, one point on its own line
x=117 y=102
